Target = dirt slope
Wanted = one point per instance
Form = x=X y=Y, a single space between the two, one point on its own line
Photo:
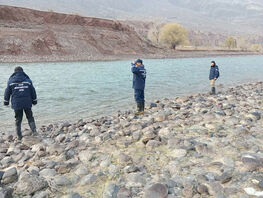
x=30 y=35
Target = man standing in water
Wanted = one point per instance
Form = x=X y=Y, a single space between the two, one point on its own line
x=23 y=95
x=139 y=76
x=213 y=76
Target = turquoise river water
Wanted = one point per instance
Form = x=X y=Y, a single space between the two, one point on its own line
x=74 y=90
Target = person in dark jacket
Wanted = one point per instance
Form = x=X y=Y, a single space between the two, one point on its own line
x=139 y=77
x=213 y=76
x=22 y=93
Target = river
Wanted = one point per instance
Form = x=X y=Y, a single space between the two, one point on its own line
x=74 y=90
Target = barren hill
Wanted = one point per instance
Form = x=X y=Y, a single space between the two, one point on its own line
x=242 y=16
x=28 y=35
x=42 y=36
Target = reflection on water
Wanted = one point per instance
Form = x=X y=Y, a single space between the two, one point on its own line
x=69 y=91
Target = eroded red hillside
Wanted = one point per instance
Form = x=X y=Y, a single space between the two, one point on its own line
x=37 y=35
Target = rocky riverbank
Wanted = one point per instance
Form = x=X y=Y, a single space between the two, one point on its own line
x=194 y=146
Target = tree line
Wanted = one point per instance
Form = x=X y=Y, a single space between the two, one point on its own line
x=173 y=35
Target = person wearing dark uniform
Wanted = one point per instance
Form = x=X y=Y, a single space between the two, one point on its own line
x=139 y=77
x=23 y=94
x=213 y=76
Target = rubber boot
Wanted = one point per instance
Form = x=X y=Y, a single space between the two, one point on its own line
x=139 y=108
x=18 y=130
x=141 y=111
x=143 y=106
x=213 y=91
x=33 y=127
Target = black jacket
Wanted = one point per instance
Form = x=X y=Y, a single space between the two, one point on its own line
x=214 y=72
x=21 y=91
x=139 y=77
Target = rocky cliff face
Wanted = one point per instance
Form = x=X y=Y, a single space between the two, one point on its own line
x=38 y=35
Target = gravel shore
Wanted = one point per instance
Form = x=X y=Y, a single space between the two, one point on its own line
x=193 y=146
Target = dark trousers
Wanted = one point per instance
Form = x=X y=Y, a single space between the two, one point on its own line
x=139 y=95
x=19 y=115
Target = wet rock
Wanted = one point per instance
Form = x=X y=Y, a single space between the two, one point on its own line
x=156 y=191
x=29 y=184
